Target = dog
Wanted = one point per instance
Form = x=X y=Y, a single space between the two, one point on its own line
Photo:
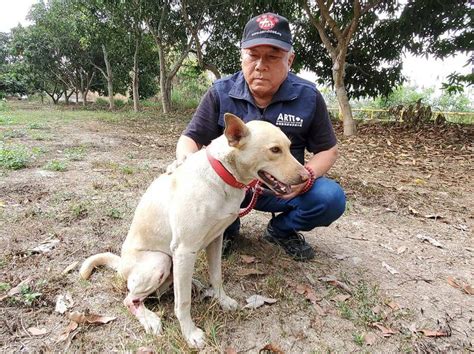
x=188 y=210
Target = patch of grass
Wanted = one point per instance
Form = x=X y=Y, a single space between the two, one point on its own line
x=4 y=286
x=14 y=157
x=39 y=136
x=114 y=213
x=80 y=210
x=345 y=310
x=358 y=339
x=28 y=295
x=37 y=126
x=55 y=165
x=13 y=133
x=76 y=153
x=127 y=170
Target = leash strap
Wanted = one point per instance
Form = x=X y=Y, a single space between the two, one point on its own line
x=257 y=191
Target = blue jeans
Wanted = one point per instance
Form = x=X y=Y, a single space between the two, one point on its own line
x=324 y=203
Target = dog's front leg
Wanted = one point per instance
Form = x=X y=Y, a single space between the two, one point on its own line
x=183 y=268
x=214 y=254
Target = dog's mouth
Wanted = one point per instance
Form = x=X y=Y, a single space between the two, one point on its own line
x=273 y=183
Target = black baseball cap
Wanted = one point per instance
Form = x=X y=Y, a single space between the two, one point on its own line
x=267 y=29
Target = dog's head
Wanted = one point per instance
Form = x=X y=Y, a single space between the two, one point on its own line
x=262 y=151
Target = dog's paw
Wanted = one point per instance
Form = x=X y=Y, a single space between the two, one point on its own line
x=228 y=304
x=151 y=322
x=196 y=338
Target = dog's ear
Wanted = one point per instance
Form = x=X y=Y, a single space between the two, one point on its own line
x=235 y=129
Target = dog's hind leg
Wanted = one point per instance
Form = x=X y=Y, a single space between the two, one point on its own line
x=150 y=271
x=213 y=254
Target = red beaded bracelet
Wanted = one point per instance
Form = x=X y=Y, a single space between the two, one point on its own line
x=310 y=181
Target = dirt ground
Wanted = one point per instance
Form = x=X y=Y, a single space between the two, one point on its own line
x=394 y=274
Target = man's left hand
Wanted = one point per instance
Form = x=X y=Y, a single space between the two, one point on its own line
x=295 y=191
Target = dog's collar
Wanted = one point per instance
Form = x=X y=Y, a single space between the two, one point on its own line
x=223 y=172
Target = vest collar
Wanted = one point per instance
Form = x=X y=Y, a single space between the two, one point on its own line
x=240 y=90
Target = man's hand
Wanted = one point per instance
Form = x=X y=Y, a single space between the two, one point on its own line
x=295 y=191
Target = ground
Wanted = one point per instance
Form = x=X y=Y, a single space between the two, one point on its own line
x=394 y=274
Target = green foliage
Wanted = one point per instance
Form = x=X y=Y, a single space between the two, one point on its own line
x=4 y=286
x=55 y=165
x=76 y=153
x=14 y=157
x=28 y=295
x=101 y=102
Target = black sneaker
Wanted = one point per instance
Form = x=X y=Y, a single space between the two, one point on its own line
x=293 y=243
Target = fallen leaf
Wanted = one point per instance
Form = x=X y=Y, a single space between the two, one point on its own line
x=341 y=297
x=271 y=348
x=333 y=281
x=390 y=268
x=393 y=305
x=37 y=331
x=45 y=246
x=386 y=332
x=401 y=249
x=246 y=272
x=434 y=333
x=230 y=350
x=70 y=267
x=67 y=331
x=63 y=303
x=458 y=284
x=80 y=317
x=145 y=350
x=255 y=301
x=369 y=339
x=247 y=259
x=431 y=240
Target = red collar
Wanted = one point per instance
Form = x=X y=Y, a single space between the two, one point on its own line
x=222 y=172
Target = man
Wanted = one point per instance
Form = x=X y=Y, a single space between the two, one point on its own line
x=265 y=90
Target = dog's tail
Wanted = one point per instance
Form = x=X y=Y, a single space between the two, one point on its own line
x=108 y=259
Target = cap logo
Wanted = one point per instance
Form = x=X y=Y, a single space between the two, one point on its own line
x=266 y=22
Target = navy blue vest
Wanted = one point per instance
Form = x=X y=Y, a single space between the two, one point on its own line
x=292 y=108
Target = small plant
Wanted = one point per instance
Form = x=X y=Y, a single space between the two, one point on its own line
x=37 y=126
x=55 y=165
x=14 y=157
x=358 y=339
x=345 y=310
x=28 y=295
x=102 y=102
x=76 y=153
x=4 y=286
x=128 y=170
x=79 y=210
x=13 y=133
x=114 y=213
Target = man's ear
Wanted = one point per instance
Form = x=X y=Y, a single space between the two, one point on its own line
x=235 y=129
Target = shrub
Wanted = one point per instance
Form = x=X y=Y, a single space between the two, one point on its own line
x=102 y=102
x=14 y=157
x=58 y=166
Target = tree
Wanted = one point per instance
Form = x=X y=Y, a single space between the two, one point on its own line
x=165 y=23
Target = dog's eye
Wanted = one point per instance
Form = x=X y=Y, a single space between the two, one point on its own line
x=275 y=150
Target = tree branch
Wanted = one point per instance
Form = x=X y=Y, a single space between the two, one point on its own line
x=327 y=16
x=322 y=34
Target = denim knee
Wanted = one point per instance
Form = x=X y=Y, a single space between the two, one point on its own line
x=326 y=202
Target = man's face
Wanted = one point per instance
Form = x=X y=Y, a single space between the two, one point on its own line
x=265 y=68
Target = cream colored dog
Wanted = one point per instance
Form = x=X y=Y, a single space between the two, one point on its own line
x=188 y=210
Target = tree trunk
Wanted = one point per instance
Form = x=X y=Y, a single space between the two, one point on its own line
x=66 y=97
x=110 y=86
x=136 y=97
x=77 y=96
x=338 y=72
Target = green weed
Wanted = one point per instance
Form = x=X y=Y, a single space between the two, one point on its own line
x=4 y=286
x=14 y=157
x=358 y=339
x=55 y=165
x=76 y=153
x=114 y=213
x=28 y=295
